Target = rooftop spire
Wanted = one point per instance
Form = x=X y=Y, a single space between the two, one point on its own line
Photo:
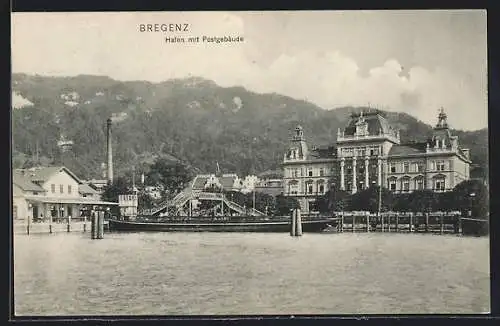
x=442 y=123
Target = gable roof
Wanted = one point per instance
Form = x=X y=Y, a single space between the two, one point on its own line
x=86 y=189
x=43 y=174
x=24 y=182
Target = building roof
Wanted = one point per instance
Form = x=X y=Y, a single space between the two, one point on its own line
x=376 y=123
x=24 y=182
x=86 y=189
x=226 y=181
x=408 y=149
x=62 y=200
x=322 y=153
x=42 y=174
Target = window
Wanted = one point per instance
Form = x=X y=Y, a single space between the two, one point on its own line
x=420 y=167
x=440 y=166
x=35 y=192
x=392 y=184
x=433 y=165
x=310 y=172
x=321 y=172
x=349 y=170
x=393 y=168
x=295 y=173
x=439 y=184
x=310 y=189
x=69 y=189
x=53 y=188
x=406 y=185
x=406 y=167
x=419 y=184
x=321 y=189
x=61 y=189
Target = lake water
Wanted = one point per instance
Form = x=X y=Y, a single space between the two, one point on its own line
x=249 y=273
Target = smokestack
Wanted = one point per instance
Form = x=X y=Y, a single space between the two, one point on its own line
x=109 y=152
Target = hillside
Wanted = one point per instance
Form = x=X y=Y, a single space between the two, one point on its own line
x=192 y=120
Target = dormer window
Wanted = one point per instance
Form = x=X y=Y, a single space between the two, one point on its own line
x=361 y=126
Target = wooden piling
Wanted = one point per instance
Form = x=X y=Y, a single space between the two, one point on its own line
x=100 y=226
x=368 y=223
x=353 y=222
x=388 y=223
x=298 y=223
x=293 y=228
x=441 y=222
x=93 y=226
x=410 y=225
x=84 y=227
x=426 y=222
x=50 y=228
x=397 y=222
x=342 y=222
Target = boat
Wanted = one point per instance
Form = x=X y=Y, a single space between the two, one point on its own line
x=221 y=224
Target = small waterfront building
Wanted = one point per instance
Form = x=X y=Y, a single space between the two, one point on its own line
x=51 y=193
x=368 y=152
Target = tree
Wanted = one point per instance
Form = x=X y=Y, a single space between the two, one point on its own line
x=368 y=200
x=284 y=205
x=144 y=201
x=263 y=201
x=333 y=200
x=120 y=186
x=422 y=201
x=172 y=176
x=472 y=195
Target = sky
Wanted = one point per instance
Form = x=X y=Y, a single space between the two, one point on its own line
x=406 y=61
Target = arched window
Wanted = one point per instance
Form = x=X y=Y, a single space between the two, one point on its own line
x=419 y=182
x=439 y=183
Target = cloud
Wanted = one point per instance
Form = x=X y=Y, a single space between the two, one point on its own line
x=305 y=56
x=19 y=102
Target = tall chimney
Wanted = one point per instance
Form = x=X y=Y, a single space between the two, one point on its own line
x=109 y=150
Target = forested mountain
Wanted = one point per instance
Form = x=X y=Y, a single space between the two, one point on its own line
x=192 y=120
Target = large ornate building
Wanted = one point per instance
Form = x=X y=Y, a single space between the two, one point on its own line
x=369 y=152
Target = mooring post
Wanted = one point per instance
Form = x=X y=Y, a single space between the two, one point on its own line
x=100 y=228
x=353 y=222
x=50 y=228
x=69 y=222
x=342 y=222
x=427 y=222
x=460 y=231
x=293 y=215
x=441 y=221
x=367 y=222
x=299 y=223
x=93 y=225
x=388 y=223
x=397 y=222
x=410 y=225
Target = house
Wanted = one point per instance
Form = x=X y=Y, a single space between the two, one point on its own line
x=51 y=193
x=228 y=182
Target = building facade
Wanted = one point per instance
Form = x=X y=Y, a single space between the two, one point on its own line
x=51 y=194
x=369 y=152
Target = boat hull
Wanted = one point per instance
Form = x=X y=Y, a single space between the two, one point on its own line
x=217 y=226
